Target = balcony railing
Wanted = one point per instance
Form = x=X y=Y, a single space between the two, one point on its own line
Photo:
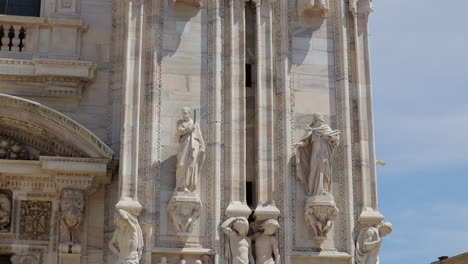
x=12 y=38
x=41 y=37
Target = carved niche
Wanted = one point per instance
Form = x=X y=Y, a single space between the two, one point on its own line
x=5 y=212
x=72 y=204
x=35 y=217
x=11 y=149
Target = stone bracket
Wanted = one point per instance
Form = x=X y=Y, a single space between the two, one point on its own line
x=184 y=211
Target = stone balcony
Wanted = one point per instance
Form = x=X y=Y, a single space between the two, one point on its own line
x=41 y=57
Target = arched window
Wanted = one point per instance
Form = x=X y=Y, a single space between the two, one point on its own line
x=20 y=7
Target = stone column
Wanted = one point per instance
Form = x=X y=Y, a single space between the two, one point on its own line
x=362 y=82
x=128 y=178
x=266 y=207
x=235 y=108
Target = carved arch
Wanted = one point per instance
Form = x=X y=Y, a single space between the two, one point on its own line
x=50 y=132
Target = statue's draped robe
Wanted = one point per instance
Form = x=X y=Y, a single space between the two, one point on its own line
x=313 y=159
x=363 y=254
x=190 y=156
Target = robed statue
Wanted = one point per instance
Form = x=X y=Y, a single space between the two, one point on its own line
x=313 y=155
x=191 y=153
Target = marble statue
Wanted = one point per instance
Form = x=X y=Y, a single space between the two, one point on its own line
x=266 y=243
x=238 y=245
x=313 y=156
x=369 y=242
x=24 y=258
x=191 y=153
x=5 y=212
x=71 y=217
x=127 y=241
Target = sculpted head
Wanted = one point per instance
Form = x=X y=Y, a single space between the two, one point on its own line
x=270 y=226
x=317 y=119
x=186 y=113
x=385 y=228
x=241 y=225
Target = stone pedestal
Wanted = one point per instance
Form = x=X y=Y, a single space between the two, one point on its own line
x=184 y=210
x=69 y=258
x=320 y=211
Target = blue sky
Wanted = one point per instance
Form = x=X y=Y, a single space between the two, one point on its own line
x=420 y=80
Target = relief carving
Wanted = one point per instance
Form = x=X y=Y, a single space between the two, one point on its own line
x=184 y=210
x=11 y=149
x=191 y=152
x=127 y=241
x=313 y=156
x=238 y=246
x=72 y=204
x=24 y=258
x=5 y=212
x=35 y=217
x=266 y=243
x=369 y=241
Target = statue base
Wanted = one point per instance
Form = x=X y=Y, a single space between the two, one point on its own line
x=320 y=211
x=184 y=209
x=69 y=258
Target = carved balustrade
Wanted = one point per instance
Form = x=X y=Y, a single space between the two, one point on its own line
x=56 y=38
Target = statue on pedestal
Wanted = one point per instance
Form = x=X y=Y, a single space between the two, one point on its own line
x=369 y=242
x=313 y=155
x=238 y=245
x=127 y=241
x=191 y=153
